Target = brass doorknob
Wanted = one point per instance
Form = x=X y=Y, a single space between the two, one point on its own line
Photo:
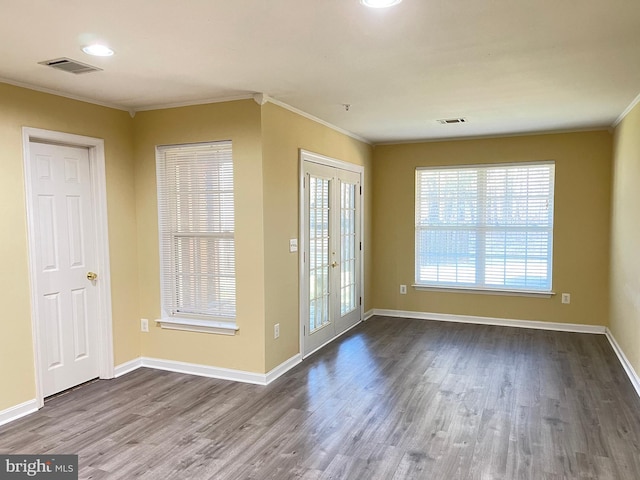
x=334 y=264
x=92 y=276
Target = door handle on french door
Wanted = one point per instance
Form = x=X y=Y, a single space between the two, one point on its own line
x=334 y=264
x=92 y=276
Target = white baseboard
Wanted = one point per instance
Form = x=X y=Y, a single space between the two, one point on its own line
x=503 y=322
x=205 y=370
x=283 y=368
x=626 y=364
x=368 y=314
x=209 y=371
x=13 y=413
x=18 y=411
x=127 y=367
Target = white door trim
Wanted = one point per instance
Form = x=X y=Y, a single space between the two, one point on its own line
x=99 y=193
x=307 y=156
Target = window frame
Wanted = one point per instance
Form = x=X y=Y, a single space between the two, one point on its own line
x=481 y=229
x=195 y=322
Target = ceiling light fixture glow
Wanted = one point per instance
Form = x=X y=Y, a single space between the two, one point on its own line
x=379 y=3
x=97 y=50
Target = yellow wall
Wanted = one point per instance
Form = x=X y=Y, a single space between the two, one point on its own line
x=21 y=107
x=266 y=142
x=239 y=122
x=133 y=232
x=283 y=134
x=625 y=238
x=581 y=233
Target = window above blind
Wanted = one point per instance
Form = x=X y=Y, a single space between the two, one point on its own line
x=196 y=224
x=487 y=227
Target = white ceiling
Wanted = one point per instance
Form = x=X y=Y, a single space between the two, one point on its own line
x=508 y=66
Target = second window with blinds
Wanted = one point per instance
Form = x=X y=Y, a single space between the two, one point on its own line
x=487 y=227
x=196 y=224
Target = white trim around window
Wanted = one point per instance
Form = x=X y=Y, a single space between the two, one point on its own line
x=486 y=291
x=197 y=244
x=485 y=228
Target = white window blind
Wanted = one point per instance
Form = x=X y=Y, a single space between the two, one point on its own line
x=485 y=227
x=196 y=223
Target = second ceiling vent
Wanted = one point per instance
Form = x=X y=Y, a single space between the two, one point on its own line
x=449 y=121
x=69 y=65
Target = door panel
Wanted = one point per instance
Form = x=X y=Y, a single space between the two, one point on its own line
x=76 y=231
x=66 y=309
x=80 y=324
x=52 y=330
x=47 y=238
x=348 y=250
x=331 y=253
x=318 y=227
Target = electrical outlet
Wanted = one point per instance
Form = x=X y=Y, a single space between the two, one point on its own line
x=144 y=325
x=276 y=330
x=566 y=298
x=403 y=289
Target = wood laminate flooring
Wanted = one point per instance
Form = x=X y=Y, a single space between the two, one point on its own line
x=392 y=399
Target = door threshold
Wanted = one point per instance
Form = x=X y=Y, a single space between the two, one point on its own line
x=70 y=389
x=331 y=340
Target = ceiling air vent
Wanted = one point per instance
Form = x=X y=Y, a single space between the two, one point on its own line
x=448 y=121
x=71 y=66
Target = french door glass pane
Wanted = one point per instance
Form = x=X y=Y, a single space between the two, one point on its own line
x=347 y=248
x=318 y=253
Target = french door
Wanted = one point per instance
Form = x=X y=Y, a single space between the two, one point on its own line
x=331 y=253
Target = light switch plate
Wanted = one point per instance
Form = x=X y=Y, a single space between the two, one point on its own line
x=293 y=245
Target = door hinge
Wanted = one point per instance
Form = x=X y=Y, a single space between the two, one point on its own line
x=360 y=245
x=304 y=182
x=360 y=189
x=304 y=329
x=360 y=300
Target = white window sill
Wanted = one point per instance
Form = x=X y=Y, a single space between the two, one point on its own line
x=202 y=326
x=486 y=291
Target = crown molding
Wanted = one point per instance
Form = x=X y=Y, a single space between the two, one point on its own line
x=132 y=110
x=626 y=111
x=58 y=93
x=286 y=106
x=260 y=99
x=164 y=106
x=603 y=128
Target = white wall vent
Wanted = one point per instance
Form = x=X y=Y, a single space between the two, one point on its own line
x=449 y=121
x=69 y=65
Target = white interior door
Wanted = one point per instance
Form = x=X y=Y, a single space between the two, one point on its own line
x=331 y=253
x=64 y=232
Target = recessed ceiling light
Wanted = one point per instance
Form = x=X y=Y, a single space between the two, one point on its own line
x=379 y=3
x=97 y=50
